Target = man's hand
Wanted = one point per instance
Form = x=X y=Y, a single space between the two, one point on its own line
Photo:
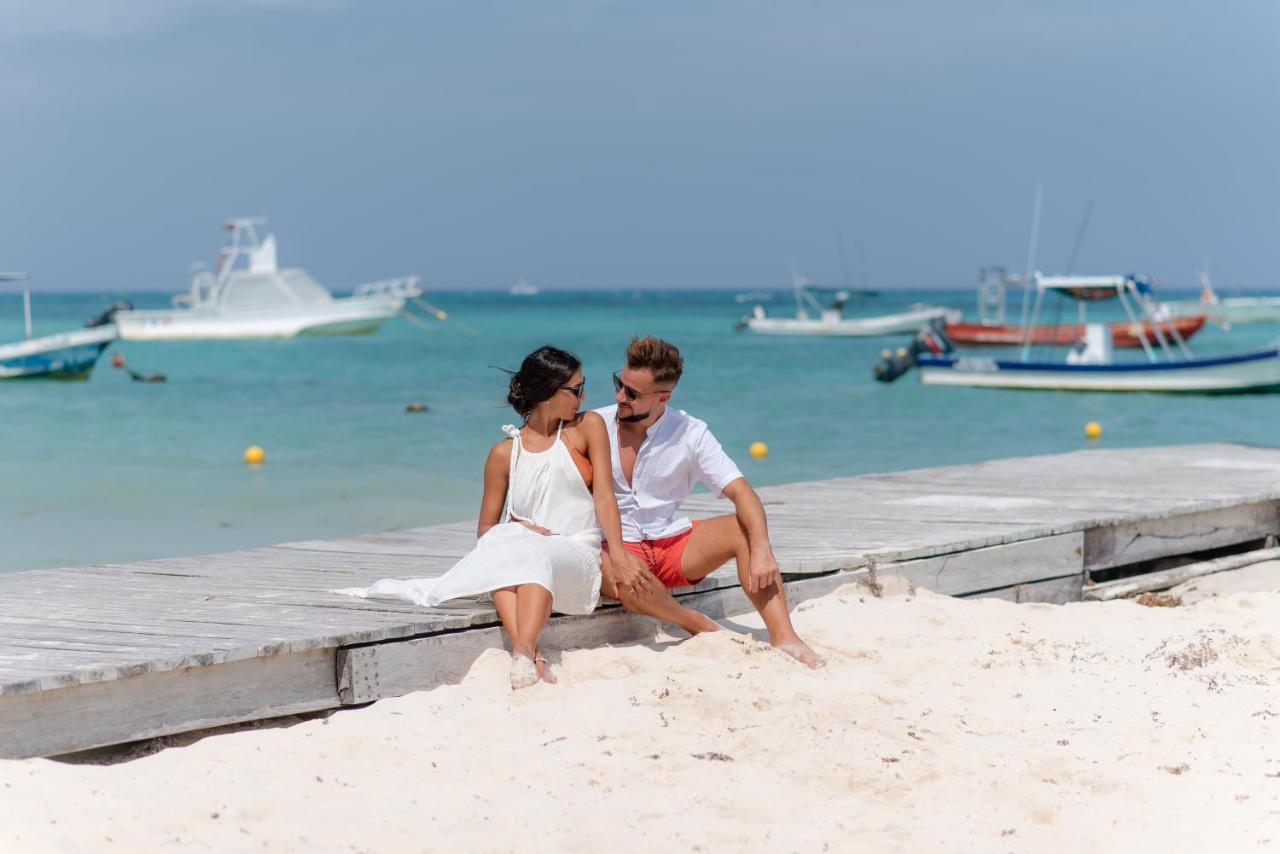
x=630 y=575
x=537 y=529
x=763 y=571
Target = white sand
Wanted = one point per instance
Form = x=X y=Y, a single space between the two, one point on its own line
x=1252 y=579
x=939 y=724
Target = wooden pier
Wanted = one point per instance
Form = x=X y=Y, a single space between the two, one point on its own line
x=109 y=654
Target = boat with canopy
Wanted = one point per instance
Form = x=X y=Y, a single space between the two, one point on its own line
x=991 y=330
x=251 y=296
x=1169 y=365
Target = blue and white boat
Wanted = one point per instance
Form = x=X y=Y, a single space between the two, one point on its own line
x=66 y=356
x=1169 y=365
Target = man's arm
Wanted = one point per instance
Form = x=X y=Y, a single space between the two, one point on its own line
x=750 y=512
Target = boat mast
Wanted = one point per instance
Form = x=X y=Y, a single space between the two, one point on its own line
x=1031 y=266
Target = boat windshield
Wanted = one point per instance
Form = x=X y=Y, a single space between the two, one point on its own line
x=277 y=288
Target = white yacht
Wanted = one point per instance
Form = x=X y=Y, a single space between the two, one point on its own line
x=252 y=297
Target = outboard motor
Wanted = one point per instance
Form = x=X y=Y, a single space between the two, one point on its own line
x=894 y=363
x=109 y=315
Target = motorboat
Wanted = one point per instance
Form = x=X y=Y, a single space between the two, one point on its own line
x=522 y=288
x=251 y=296
x=1124 y=335
x=69 y=355
x=991 y=330
x=1226 y=310
x=1169 y=365
x=814 y=318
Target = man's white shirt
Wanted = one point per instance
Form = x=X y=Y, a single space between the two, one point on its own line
x=678 y=451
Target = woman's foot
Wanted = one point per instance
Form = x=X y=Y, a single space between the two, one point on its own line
x=544 y=669
x=523 y=671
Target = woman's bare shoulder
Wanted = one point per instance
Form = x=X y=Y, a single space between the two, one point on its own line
x=500 y=452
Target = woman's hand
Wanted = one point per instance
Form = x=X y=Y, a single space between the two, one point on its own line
x=537 y=529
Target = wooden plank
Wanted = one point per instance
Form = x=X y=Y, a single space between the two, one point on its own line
x=392 y=669
x=1052 y=591
x=87 y=716
x=974 y=571
x=1134 y=542
x=1172 y=577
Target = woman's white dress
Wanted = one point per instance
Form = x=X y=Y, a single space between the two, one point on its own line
x=546 y=489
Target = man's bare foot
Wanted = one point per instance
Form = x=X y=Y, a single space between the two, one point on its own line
x=799 y=650
x=544 y=670
x=698 y=623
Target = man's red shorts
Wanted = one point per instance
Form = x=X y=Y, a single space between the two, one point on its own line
x=664 y=557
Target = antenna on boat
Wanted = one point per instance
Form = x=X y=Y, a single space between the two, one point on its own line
x=26 y=296
x=1031 y=266
x=1075 y=249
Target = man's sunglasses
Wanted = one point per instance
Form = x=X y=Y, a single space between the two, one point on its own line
x=632 y=394
x=578 y=389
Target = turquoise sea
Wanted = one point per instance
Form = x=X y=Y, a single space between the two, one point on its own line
x=110 y=470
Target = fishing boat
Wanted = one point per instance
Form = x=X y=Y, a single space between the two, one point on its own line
x=991 y=330
x=814 y=318
x=1089 y=366
x=1226 y=309
x=250 y=296
x=1124 y=335
x=67 y=355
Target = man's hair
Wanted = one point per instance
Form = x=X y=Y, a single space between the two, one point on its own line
x=661 y=357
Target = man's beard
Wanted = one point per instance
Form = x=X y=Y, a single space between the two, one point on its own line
x=634 y=417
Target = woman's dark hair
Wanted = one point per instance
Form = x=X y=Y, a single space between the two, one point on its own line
x=541 y=375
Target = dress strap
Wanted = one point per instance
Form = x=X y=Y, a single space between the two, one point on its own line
x=514 y=432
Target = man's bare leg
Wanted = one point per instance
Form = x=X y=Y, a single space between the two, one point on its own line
x=660 y=605
x=711 y=545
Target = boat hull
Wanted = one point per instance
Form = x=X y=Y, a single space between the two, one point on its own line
x=1242 y=373
x=346 y=316
x=857 y=327
x=1123 y=335
x=65 y=356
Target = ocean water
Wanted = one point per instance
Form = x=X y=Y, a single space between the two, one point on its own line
x=110 y=470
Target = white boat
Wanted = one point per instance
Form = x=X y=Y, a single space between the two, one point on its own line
x=260 y=300
x=830 y=320
x=1169 y=365
x=523 y=289
x=1226 y=309
x=66 y=355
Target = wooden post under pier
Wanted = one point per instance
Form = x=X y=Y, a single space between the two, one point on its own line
x=114 y=653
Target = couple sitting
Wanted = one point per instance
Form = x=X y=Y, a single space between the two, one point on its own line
x=568 y=481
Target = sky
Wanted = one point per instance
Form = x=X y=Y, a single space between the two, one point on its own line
x=598 y=144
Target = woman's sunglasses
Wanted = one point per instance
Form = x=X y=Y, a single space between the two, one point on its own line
x=632 y=394
x=578 y=390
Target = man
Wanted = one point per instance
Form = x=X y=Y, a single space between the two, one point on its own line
x=658 y=455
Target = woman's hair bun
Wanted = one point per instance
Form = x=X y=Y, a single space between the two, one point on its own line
x=541 y=375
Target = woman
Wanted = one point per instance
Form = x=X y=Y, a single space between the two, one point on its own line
x=548 y=494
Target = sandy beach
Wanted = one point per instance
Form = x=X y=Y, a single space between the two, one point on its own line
x=939 y=723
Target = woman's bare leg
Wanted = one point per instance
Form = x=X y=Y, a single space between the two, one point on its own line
x=504 y=602
x=533 y=607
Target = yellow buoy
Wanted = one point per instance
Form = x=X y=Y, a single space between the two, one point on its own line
x=759 y=450
x=253 y=455
x=1093 y=430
